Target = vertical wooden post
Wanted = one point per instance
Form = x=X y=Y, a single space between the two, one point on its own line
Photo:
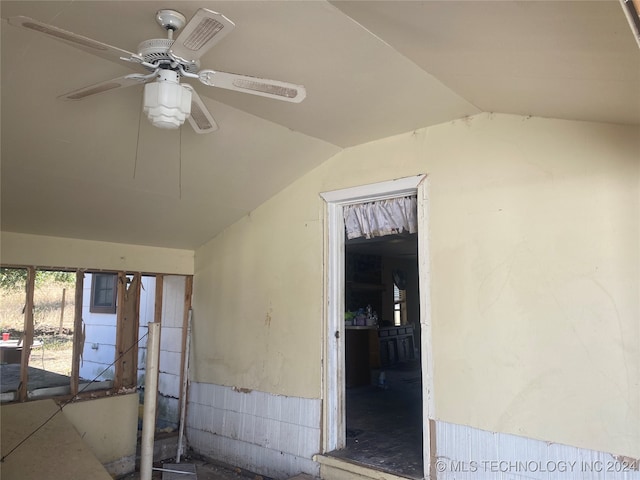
x=157 y=312
x=188 y=291
x=130 y=323
x=78 y=337
x=121 y=286
x=127 y=331
x=136 y=332
x=64 y=291
x=27 y=337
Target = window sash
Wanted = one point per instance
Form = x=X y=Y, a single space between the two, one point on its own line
x=103 y=293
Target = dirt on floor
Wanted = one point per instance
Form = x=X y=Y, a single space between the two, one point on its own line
x=205 y=470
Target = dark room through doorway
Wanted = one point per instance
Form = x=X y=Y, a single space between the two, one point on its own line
x=383 y=395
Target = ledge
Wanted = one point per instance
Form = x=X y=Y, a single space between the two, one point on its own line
x=338 y=468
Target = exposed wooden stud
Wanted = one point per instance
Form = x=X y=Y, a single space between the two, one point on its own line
x=121 y=289
x=27 y=337
x=78 y=334
x=127 y=330
x=131 y=321
x=188 y=292
x=136 y=333
x=157 y=312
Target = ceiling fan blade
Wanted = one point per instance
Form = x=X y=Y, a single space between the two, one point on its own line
x=264 y=87
x=120 y=82
x=202 y=32
x=84 y=43
x=200 y=119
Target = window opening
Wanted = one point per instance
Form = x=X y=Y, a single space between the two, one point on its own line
x=50 y=362
x=399 y=306
x=13 y=285
x=79 y=344
x=48 y=356
x=44 y=332
x=103 y=293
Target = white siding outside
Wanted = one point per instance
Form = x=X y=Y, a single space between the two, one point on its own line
x=173 y=292
x=99 y=350
x=100 y=337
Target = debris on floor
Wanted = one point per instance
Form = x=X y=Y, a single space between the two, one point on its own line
x=179 y=471
x=205 y=470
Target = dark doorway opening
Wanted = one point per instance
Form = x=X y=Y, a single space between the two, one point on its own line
x=382 y=355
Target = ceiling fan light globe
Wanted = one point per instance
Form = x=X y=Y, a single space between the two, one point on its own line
x=166 y=122
x=167 y=104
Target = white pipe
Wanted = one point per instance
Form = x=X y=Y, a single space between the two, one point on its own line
x=150 y=396
x=172 y=471
x=183 y=394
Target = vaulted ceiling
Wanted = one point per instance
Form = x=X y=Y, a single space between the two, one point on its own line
x=96 y=169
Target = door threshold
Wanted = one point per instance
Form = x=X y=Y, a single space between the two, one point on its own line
x=334 y=468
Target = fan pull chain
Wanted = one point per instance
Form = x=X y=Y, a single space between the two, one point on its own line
x=180 y=166
x=135 y=161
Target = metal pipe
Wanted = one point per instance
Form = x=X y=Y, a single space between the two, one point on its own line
x=150 y=397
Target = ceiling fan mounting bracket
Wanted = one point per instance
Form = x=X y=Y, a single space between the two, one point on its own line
x=170 y=19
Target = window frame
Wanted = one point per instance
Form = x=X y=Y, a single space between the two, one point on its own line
x=112 y=307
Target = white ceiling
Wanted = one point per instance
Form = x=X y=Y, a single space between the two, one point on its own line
x=96 y=169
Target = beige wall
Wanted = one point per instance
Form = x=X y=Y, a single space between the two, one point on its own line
x=535 y=278
x=109 y=426
x=42 y=251
x=257 y=300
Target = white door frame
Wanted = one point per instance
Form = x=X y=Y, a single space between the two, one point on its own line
x=333 y=377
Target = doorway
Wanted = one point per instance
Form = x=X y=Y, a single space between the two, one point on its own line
x=378 y=403
x=382 y=358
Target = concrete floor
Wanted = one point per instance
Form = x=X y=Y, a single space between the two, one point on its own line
x=204 y=471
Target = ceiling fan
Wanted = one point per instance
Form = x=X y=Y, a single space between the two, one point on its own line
x=167 y=102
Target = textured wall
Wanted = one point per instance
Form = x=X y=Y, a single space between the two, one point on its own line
x=534 y=244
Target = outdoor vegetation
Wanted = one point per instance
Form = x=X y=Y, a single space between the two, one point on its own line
x=53 y=312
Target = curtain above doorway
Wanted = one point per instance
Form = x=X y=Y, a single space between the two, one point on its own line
x=383 y=217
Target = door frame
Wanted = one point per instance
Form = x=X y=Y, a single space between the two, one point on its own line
x=334 y=406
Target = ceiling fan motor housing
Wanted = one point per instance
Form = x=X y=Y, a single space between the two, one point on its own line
x=156 y=52
x=167 y=104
